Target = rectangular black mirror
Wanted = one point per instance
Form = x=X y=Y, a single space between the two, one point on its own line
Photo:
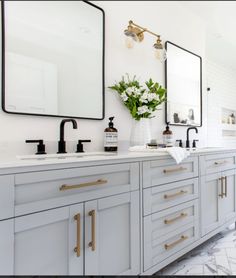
x=53 y=58
x=184 y=86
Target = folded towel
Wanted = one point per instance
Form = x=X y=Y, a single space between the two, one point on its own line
x=179 y=154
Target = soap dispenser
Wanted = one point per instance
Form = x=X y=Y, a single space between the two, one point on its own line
x=168 y=136
x=110 y=137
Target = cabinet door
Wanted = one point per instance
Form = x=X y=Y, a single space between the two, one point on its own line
x=45 y=242
x=210 y=190
x=112 y=239
x=227 y=204
x=6 y=247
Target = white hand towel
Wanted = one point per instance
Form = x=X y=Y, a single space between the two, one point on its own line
x=179 y=154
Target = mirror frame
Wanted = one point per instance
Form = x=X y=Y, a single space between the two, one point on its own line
x=166 y=79
x=49 y=115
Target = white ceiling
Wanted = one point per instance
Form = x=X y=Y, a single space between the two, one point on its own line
x=220 y=19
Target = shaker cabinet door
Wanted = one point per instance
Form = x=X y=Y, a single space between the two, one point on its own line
x=210 y=190
x=227 y=204
x=45 y=242
x=112 y=240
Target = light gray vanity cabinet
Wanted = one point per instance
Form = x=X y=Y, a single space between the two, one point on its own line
x=218 y=199
x=93 y=227
x=170 y=209
x=104 y=231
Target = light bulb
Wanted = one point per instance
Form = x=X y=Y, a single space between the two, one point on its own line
x=129 y=42
x=161 y=55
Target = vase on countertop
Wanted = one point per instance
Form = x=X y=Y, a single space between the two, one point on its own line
x=140 y=132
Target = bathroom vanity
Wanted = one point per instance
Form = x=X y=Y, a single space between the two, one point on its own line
x=130 y=213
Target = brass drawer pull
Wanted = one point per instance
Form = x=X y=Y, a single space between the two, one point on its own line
x=169 y=221
x=77 y=248
x=173 y=244
x=220 y=162
x=221 y=187
x=76 y=186
x=166 y=171
x=181 y=192
x=226 y=187
x=92 y=243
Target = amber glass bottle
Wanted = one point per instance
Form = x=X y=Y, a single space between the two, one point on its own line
x=111 y=137
x=168 y=136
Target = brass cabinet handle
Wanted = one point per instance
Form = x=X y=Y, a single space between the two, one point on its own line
x=173 y=244
x=181 y=192
x=226 y=186
x=221 y=187
x=220 y=162
x=77 y=248
x=169 y=221
x=76 y=186
x=166 y=171
x=92 y=243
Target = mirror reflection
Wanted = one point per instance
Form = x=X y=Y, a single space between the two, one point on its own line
x=54 y=58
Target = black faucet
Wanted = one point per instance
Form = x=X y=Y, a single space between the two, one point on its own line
x=187 y=141
x=62 y=143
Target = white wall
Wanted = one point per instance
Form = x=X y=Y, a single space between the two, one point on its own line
x=222 y=82
x=173 y=22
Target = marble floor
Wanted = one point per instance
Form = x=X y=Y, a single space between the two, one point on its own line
x=217 y=256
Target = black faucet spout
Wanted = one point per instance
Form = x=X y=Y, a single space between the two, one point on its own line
x=187 y=141
x=62 y=143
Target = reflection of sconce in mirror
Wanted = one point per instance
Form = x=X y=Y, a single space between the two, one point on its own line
x=135 y=33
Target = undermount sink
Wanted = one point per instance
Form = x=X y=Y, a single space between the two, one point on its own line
x=65 y=156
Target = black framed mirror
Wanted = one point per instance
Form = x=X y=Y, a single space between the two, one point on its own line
x=53 y=58
x=183 y=80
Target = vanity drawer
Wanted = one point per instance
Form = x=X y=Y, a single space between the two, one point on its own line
x=157 y=249
x=210 y=164
x=169 y=220
x=166 y=170
x=6 y=197
x=165 y=196
x=48 y=189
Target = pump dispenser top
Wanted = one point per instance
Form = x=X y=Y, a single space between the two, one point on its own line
x=111 y=124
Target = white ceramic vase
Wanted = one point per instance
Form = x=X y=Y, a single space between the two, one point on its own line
x=140 y=132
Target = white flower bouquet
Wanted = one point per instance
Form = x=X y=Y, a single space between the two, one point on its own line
x=141 y=101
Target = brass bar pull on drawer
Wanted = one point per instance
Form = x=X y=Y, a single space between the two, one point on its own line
x=220 y=162
x=181 y=192
x=77 y=186
x=221 y=187
x=226 y=187
x=166 y=171
x=173 y=244
x=92 y=243
x=77 y=248
x=169 y=221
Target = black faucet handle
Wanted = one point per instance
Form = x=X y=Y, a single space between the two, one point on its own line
x=194 y=143
x=180 y=143
x=40 y=146
x=80 y=146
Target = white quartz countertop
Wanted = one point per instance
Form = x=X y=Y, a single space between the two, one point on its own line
x=53 y=161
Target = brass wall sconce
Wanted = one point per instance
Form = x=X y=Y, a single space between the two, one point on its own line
x=135 y=33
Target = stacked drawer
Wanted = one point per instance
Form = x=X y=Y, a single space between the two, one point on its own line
x=170 y=208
